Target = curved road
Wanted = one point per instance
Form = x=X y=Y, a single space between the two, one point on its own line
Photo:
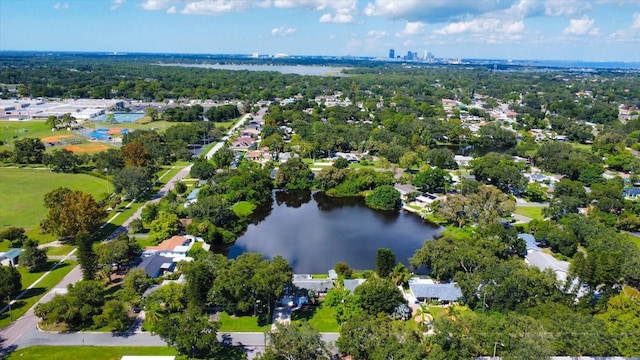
x=23 y=332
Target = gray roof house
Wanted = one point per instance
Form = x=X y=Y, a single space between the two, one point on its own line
x=446 y=293
x=320 y=286
x=157 y=265
x=352 y=284
x=11 y=257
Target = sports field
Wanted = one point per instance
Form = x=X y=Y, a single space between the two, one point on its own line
x=22 y=193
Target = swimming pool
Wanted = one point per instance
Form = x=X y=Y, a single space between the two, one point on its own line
x=121 y=117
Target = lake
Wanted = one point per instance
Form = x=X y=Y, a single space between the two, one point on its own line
x=283 y=69
x=314 y=232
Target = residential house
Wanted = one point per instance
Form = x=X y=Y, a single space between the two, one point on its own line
x=462 y=161
x=11 y=257
x=192 y=198
x=304 y=281
x=242 y=143
x=174 y=247
x=405 y=189
x=157 y=265
x=543 y=260
x=352 y=284
x=428 y=290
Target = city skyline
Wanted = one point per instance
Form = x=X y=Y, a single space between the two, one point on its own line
x=587 y=30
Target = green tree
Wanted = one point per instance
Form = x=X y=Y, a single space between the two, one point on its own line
x=622 y=321
x=378 y=295
x=384 y=197
x=32 y=257
x=191 y=333
x=13 y=234
x=365 y=337
x=294 y=175
x=10 y=281
x=71 y=212
x=137 y=281
x=114 y=315
x=87 y=257
x=28 y=151
x=385 y=262
x=62 y=160
x=343 y=270
x=341 y=163
x=165 y=226
x=133 y=180
x=295 y=342
x=151 y=112
x=432 y=180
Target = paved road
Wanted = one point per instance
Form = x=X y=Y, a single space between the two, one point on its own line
x=23 y=332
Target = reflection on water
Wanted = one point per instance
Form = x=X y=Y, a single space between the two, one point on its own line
x=314 y=231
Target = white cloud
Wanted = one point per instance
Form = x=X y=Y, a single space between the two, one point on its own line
x=338 y=18
x=636 y=21
x=116 y=4
x=632 y=33
x=171 y=10
x=61 y=6
x=412 y=28
x=335 y=11
x=568 y=8
x=340 y=11
x=282 y=31
x=217 y=7
x=481 y=26
x=434 y=10
x=155 y=4
x=582 y=26
x=377 y=34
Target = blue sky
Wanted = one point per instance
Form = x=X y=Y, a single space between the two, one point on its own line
x=590 y=30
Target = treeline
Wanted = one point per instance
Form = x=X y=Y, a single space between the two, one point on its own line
x=222 y=113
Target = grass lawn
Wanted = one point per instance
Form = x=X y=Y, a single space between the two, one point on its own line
x=322 y=318
x=24 y=129
x=243 y=208
x=36 y=293
x=635 y=240
x=532 y=212
x=89 y=352
x=144 y=241
x=59 y=250
x=165 y=174
x=240 y=323
x=23 y=190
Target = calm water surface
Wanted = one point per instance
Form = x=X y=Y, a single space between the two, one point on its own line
x=314 y=231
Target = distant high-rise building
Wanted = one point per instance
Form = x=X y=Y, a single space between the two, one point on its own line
x=425 y=55
x=392 y=54
x=409 y=55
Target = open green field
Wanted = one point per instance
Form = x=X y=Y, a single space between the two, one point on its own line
x=89 y=352
x=23 y=190
x=37 y=292
x=240 y=323
x=10 y=130
x=532 y=212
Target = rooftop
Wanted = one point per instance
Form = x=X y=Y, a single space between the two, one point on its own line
x=444 y=292
x=170 y=244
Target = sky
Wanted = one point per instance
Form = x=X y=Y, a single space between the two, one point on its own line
x=587 y=30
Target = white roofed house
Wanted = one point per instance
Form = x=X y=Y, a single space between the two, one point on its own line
x=428 y=291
